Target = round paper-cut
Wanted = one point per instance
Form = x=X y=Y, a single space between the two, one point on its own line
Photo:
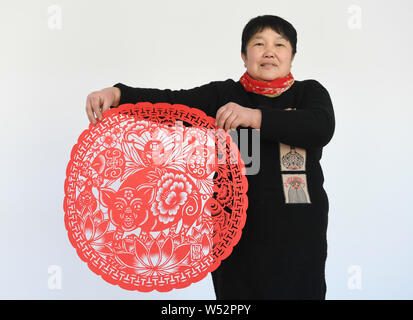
x=155 y=196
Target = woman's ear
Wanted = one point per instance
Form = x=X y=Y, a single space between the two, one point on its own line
x=244 y=58
x=292 y=59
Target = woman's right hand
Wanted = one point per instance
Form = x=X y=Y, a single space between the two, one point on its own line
x=98 y=102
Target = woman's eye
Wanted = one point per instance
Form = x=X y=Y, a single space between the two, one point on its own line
x=278 y=44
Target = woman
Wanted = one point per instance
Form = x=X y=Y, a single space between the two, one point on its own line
x=283 y=248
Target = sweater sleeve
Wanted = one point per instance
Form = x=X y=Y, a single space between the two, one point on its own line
x=312 y=125
x=205 y=97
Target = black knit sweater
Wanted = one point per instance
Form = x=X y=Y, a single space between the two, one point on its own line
x=283 y=248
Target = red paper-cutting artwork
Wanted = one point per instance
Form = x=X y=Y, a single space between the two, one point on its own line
x=155 y=196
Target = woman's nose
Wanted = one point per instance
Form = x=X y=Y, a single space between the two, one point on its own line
x=269 y=54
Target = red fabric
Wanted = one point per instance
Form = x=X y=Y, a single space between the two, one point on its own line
x=271 y=89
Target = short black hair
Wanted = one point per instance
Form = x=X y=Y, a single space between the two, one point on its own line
x=276 y=23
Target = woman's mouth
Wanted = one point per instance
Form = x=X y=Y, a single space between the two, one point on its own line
x=268 y=65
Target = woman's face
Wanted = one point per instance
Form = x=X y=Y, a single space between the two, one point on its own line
x=269 y=56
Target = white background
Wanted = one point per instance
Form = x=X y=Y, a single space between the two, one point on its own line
x=364 y=61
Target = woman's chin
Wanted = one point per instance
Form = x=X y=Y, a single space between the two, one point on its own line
x=269 y=78
x=266 y=76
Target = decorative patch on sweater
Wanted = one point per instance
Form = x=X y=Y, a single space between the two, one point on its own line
x=295 y=188
x=292 y=158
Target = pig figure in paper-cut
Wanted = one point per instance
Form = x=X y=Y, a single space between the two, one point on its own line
x=153 y=202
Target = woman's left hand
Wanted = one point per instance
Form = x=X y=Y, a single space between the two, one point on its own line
x=232 y=115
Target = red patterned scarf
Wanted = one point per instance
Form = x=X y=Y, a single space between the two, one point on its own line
x=270 y=89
